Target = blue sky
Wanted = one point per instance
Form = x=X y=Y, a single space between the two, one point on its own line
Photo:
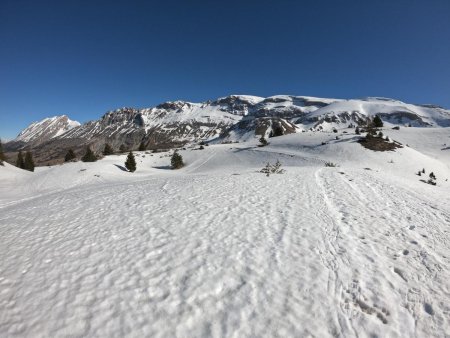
x=83 y=58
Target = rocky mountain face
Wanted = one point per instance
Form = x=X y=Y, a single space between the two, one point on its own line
x=231 y=118
x=42 y=131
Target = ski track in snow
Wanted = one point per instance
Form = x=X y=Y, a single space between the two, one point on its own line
x=320 y=252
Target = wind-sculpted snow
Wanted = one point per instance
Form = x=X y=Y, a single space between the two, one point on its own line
x=217 y=249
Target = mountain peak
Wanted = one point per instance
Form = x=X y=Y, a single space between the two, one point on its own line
x=48 y=128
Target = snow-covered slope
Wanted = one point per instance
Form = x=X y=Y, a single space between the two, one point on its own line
x=217 y=249
x=391 y=111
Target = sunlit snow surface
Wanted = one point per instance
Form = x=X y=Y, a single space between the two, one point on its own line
x=217 y=249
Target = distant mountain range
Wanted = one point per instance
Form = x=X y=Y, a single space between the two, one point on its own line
x=231 y=118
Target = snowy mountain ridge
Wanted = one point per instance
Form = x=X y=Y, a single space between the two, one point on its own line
x=226 y=119
x=46 y=129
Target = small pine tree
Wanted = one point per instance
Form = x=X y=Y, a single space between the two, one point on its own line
x=423 y=171
x=29 y=162
x=20 y=163
x=70 y=156
x=357 y=131
x=263 y=141
x=380 y=134
x=123 y=148
x=130 y=163
x=108 y=150
x=142 y=146
x=2 y=154
x=377 y=122
x=89 y=155
x=432 y=179
x=176 y=161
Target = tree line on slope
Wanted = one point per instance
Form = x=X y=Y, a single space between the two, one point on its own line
x=130 y=163
x=26 y=163
x=23 y=162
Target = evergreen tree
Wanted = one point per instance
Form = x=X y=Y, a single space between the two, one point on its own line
x=2 y=154
x=142 y=146
x=377 y=122
x=29 y=162
x=176 y=161
x=357 y=131
x=108 y=150
x=130 y=163
x=123 y=148
x=432 y=179
x=89 y=155
x=70 y=156
x=20 y=163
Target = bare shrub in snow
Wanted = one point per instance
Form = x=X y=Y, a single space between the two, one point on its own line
x=331 y=164
x=272 y=168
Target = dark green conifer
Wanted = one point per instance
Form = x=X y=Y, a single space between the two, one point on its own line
x=142 y=146
x=29 y=162
x=123 y=148
x=2 y=154
x=377 y=122
x=20 y=163
x=89 y=155
x=70 y=156
x=108 y=150
x=176 y=161
x=130 y=163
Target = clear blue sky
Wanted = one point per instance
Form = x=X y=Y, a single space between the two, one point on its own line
x=82 y=58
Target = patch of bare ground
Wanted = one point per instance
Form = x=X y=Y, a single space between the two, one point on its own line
x=379 y=144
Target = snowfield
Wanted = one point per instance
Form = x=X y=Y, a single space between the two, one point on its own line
x=217 y=249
